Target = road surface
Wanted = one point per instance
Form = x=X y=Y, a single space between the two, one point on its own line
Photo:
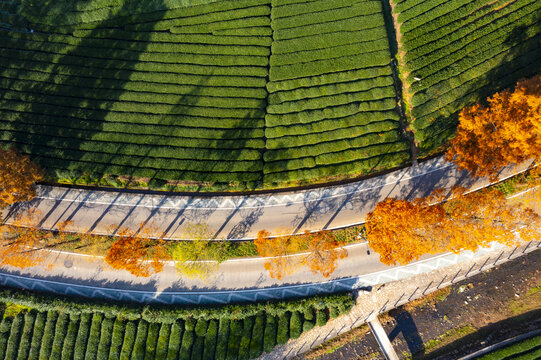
x=241 y=217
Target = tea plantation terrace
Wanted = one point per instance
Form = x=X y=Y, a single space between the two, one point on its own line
x=249 y=93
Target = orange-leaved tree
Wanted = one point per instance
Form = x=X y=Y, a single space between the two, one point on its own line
x=136 y=253
x=21 y=243
x=506 y=131
x=17 y=177
x=402 y=231
x=278 y=251
x=323 y=252
x=320 y=251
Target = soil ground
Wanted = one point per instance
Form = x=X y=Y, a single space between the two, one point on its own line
x=455 y=321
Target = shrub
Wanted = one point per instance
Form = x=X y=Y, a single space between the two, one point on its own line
x=163 y=341
x=233 y=343
x=197 y=348
x=152 y=339
x=139 y=346
x=129 y=340
x=282 y=334
x=105 y=339
x=14 y=336
x=5 y=326
x=269 y=339
x=187 y=341
x=308 y=325
x=295 y=327
x=244 y=346
x=258 y=332
x=117 y=339
x=201 y=327
x=68 y=347
x=26 y=336
x=37 y=334
x=321 y=317
x=223 y=336
x=210 y=340
x=48 y=335
x=177 y=330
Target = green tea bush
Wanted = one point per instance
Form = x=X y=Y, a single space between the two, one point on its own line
x=71 y=336
x=257 y=338
x=187 y=341
x=152 y=340
x=15 y=337
x=48 y=335
x=233 y=343
x=354 y=23
x=282 y=332
x=37 y=334
x=315 y=17
x=5 y=327
x=295 y=325
x=26 y=336
x=129 y=340
x=223 y=335
x=177 y=333
x=321 y=317
x=210 y=340
x=163 y=342
x=269 y=338
x=139 y=345
x=334 y=313
x=244 y=345
x=321 y=41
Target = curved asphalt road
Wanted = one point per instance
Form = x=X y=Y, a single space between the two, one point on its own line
x=241 y=217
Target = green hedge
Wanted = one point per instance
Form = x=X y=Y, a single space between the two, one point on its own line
x=352 y=24
x=210 y=340
x=319 y=67
x=257 y=339
x=152 y=340
x=14 y=337
x=139 y=346
x=175 y=339
x=295 y=325
x=318 y=91
x=269 y=337
x=5 y=327
x=37 y=334
x=129 y=340
x=117 y=338
x=48 y=335
x=26 y=337
x=322 y=41
x=100 y=330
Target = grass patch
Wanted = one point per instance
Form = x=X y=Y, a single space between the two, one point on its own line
x=448 y=337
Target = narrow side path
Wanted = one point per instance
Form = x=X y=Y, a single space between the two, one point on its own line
x=241 y=217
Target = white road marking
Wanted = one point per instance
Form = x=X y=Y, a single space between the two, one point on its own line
x=289 y=202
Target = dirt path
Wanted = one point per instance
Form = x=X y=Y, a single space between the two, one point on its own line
x=469 y=315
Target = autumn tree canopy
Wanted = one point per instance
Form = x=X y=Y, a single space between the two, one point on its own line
x=17 y=177
x=134 y=252
x=20 y=243
x=506 y=131
x=198 y=258
x=402 y=231
x=320 y=251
